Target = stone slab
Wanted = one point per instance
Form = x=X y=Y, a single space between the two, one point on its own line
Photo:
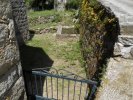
x=125 y=40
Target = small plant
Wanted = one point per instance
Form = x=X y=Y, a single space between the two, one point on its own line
x=57 y=18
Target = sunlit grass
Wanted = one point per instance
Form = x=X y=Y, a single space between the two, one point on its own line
x=64 y=18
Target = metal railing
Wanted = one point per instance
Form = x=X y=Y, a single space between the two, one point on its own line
x=53 y=84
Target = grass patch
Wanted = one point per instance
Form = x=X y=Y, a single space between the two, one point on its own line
x=36 y=14
x=42 y=26
x=47 y=18
x=68 y=50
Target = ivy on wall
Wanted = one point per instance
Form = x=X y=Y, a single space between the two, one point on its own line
x=99 y=29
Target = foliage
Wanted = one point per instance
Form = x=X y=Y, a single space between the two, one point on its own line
x=29 y=3
x=97 y=27
x=72 y=4
x=40 y=4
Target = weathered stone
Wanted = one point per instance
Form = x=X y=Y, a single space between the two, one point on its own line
x=20 y=20
x=59 y=30
x=126 y=52
x=117 y=50
x=125 y=39
x=5 y=8
x=17 y=91
x=68 y=30
x=124 y=46
x=3 y=34
x=8 y=80
x=123 y=51
x=131 y=52
x=9 y=50
x=11 y=81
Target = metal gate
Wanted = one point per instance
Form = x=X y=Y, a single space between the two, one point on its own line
x=53 y=84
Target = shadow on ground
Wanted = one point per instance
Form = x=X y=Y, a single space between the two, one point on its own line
x=33 y=58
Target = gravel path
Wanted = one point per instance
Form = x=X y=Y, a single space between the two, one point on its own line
x=117 y=83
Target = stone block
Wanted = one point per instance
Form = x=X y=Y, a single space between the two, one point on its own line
x=68 y=30
x=125 y=51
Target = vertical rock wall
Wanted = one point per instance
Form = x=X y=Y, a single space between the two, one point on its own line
x=11 y=78
x=20 y=20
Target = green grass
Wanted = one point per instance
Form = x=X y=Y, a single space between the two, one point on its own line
x=64 y=18
x=41 y=26
x=36 y=14
x=68 y=50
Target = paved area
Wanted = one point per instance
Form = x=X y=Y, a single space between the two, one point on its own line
x=123 y=9
x=118 y=80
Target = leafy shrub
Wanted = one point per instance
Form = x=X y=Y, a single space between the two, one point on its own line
x=72 y=4
x=40 y=4
x=29 y=3
x=98 y=29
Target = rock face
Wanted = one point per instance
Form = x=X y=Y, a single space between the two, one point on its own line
x=11 y=78
x=124 y=46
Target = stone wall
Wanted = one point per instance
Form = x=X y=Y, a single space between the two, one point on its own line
x=99 y=29
x=20 y=20
x=11 y=78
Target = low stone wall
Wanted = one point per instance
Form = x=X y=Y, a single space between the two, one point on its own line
x=99 y=29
